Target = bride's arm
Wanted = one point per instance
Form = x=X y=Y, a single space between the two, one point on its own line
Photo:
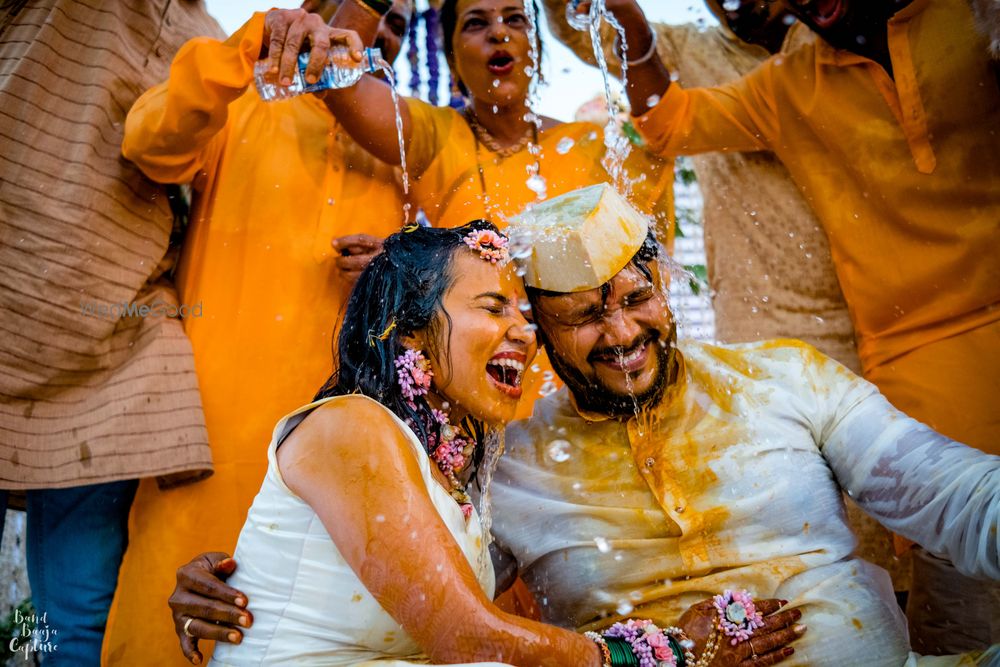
x=354 y=466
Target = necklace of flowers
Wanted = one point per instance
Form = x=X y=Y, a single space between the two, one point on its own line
x=449 y=451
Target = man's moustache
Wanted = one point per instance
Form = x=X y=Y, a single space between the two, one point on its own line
x=616 y=351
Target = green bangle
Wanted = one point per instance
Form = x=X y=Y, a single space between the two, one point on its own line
x=678 y=650
x=380 y=6
x=621 y=652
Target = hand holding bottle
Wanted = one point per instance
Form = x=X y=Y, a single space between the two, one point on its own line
x=285 y=32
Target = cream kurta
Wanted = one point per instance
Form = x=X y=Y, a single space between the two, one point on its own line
x=746 y=458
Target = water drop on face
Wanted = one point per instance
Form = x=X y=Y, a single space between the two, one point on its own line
x=530 y=327
x=624 y=608
x=496 y=83
x=558 y=451
x=602 y=545
x=788 y=19
x=564 y=145
x=547 y=389
x=524 y=307
x=731 y=5
x=529 y=70
x=379 y=518
x=652 y=100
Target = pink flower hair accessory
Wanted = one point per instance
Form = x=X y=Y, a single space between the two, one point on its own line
x=490 y=245
x=414 y=374
x=738 y=616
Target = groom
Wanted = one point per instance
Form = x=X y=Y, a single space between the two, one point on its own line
x=666 y=472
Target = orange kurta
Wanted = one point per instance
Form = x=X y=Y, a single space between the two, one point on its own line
x=274 y=184
x=445 y=164
x=904 y=174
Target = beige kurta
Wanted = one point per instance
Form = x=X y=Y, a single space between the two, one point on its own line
x=88 y=395
x=734 y=481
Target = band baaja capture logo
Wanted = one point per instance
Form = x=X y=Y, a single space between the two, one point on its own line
x=32 y=634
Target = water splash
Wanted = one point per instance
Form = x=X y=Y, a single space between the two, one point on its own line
x=629 y=386
x=558 y=450
x=535 y=182
x=493 y=447
x=390 y=76
x=617 y=144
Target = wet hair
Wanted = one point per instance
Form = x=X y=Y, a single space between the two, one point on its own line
x=399 y=293
x=449 y=22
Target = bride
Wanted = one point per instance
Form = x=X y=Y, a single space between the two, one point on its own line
x=363 y=545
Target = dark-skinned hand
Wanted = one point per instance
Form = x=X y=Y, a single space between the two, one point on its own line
x=215 y=611
x=769 y=644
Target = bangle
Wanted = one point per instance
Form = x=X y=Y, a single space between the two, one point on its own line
x=650 y=52
x=601 y=644
x=379 y=7
x=622 y=654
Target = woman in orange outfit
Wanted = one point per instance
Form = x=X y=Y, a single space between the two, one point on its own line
x=477 y=163
x=274 y=184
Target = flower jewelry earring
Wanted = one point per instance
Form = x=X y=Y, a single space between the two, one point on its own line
x=414 y=374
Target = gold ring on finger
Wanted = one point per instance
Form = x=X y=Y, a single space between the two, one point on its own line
x=753 y=651
x=187 y=628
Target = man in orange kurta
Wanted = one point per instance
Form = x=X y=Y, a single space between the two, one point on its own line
x=274 y=184
x=893 y=139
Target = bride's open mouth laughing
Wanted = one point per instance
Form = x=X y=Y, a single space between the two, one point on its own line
x=506 y=370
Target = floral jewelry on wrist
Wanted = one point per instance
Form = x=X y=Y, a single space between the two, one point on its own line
x=738 y=616
x=642 y=644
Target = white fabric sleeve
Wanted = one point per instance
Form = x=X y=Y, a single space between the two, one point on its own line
x=937 y=492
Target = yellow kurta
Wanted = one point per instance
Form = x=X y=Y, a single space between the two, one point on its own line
x=274 y=184
x=904 y=174
x=445 y=163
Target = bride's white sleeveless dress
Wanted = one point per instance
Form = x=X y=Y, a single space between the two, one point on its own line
x=309 y=607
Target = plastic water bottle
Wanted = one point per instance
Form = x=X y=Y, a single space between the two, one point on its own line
x=341 y=71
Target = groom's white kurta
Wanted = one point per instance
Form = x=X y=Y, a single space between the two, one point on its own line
x=735 y=481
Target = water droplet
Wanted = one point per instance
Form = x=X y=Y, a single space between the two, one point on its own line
x=524 y=307
x=496 y=83
x=496 y=109
x=788 y=19
x=530 y=327
x=652 y=100
x=564 y=145
x=529 y=70
x=731 y=5
x=624 y=608
x=602 y=545
x=536 y=184
x=559 y=451
x=548 y=388
x=379 y=518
